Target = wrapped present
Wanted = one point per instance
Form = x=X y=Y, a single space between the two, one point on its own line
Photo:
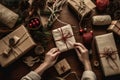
x=108 y=54
x=14 y=45
x=101 y=20
x=64 y=38
x=7 y=16
x=62 y=66
x=115 y=27
x=81 y=7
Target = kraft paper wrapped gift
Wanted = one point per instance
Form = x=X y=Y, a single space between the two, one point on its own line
x=108 y=54
x=8 y=17
x=64 y=38
x=81 y=7
x=62 y=66
x=14 y=45
x=115 y=27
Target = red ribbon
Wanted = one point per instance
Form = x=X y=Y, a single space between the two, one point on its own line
x=110 y=54
x=65 y=35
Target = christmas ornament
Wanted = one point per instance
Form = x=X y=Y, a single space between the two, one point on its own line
x=34 y=24
x=102 y=4
x=87 y=38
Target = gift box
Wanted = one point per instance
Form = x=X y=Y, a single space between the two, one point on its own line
x=115 y=27
x=62 y=66
x=108 y=54
x=8 y=17
x=64 y=38
x=14 y=45
x=81 y=7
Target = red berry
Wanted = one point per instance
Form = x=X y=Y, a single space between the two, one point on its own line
x=36 y=19
x=81 y=30
x=34 y=23
x=37 y=22
x=30 y=25
x=91 y=32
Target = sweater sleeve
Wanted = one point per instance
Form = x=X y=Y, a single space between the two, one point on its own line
x=31 y=76
x=88 y=75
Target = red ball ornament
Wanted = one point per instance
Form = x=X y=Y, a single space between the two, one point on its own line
x=102 y=4
x=87 y=39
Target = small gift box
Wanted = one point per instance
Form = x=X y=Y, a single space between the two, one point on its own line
x=15 y=45
x=62 y=66
x=115 y=27
x=64 y=38
x=7 y=16
x=108 y=54
x=81 y=7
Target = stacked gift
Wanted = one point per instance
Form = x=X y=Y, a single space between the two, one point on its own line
x=15 y=45
x=64 y=38
x=7 y=16
x=108 y=54
x=115 y=27
x=81 y=7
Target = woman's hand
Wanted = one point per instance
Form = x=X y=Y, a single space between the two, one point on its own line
x=83 y=56
x=50 y=59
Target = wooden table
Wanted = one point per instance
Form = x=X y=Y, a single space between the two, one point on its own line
x=18 y=69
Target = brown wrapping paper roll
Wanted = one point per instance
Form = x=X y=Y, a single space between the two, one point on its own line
x=101 y=20
x=7 y=16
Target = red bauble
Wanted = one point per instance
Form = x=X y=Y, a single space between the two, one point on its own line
x=30 y=25
x=102 y=4
x=87 y=38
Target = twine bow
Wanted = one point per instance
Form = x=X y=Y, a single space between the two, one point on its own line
x=109 y=53
x=81 y=5
x=65 y=35
x=13 y=43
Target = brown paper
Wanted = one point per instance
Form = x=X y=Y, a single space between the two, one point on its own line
x=76 y=6
x=115 y=27
x=59 y=34
x=24 y=44
x=103 y=42
x=62 y=66
x=7 y=16
x=101 y=20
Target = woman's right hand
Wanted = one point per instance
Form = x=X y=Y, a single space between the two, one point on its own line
x=83 y=56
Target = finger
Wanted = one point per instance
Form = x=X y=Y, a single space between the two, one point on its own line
x=78 y=52
x=79 y=44
x=79 y=48
x=53 y=50
x=56 y=54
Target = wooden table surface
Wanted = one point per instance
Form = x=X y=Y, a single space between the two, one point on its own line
x=18 y=69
